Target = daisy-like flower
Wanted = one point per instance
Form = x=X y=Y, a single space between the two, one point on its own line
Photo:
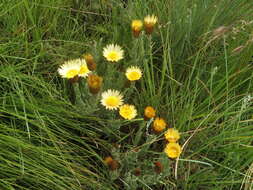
x=149 y=112
x=136 y=27
x=133 y=73
x=149 y=23
x=74 y=68
x=173 y=150
x=112 y=99
x=159 y=124
x=128 y=111
x=172 y=135
x=113 y=52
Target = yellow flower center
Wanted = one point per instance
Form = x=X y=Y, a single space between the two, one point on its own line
x=126 y=112
x=173 y=152
x=112 y=101
x=72 y=73
x=113 y=56
x=134 y=75
x=83 y=70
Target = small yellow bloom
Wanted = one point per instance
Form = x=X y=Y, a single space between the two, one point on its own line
x=159 y=124
x=74 y=68
x=149 y=23
x=133 y=73
x=112 y=99
x=113 y=53
x=173 y=150
x=90 y=62
x=128 y=111
x=149 y=112
x=172 y=135
x=94 y=83
x=136 y=27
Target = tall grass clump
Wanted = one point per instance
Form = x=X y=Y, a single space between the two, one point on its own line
x=126 y=94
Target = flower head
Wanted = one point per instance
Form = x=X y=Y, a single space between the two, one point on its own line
x=173 y=150
x=111 y=163
x=128 y=111
x=149 y=23
x=172 y=135
x=149 y=112
x=136 y=27
x=158 y=167
x=112 y=99
x=90 y=62
x=113 y=52
x=94 y=83
x=133 y=73
x=74 y=68
x=159 y=124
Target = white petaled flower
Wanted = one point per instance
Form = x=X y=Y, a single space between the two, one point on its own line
x=133 y=73
x=113 y=52
x=150 y=20
x=73 y=68
x=112 y=99
x=84 y=70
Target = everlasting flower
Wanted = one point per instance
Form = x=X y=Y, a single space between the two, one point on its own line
x=74 y=68
x=137 y=171
x=113 y=53
x=136 y=27
x=158 y=167
x=159 y=124
x=111 y=163
x=90 y=62
x=149 y=23
x=94 y=83
x=173 y=150
x=133 y=73
x=112 y=99
x=127 y=111
x=172 y=135
x=149 y=112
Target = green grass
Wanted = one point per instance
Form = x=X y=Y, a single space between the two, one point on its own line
x=192 y=75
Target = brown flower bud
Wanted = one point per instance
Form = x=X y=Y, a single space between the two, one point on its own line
x=158 y=167
x=90 y=62
x=94 y=83
x=111 y=163
x=137 y=171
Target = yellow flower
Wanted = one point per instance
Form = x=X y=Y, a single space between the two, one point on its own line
x=90 y=61
x=112 y=99
x=133 y=73
x=113 y=52
x=172 y=135
x=136 y=27
x=173 y=150
x=94 y=83
x=149 y=23
x=159 y=124
x=149 y=112
x=74 y=68
x=127 y=111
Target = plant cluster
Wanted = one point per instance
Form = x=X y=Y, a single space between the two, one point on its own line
x=113 y=99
